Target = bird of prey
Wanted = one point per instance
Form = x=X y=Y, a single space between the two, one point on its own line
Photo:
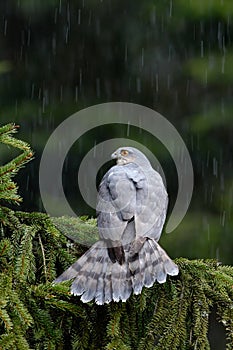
x=131 y=210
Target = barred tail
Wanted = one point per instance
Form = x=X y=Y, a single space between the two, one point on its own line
x=97 y=277
x=149 y=264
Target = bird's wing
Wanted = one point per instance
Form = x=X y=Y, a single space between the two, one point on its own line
x=117 y=200
x=152 y=203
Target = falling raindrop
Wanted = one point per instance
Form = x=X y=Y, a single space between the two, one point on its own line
x=29 y=37
x=54 y=44
x=142 y=58
x=157 y=82
x=5 y=27
x=223 y=218
x=215 y=167
x=222 y=184
x=222 y=107
x=43 y=104
x=79 y=17
x=202 y=48
x=138 y=82
x=201 y=27
x=27 y=183
x=80 y=79
x=223 y=44
x=169 y=53
x=223 y=64
x=128 y=127
x=76 y=93
x=67 y=34
x=206 y=77
x=45 y=100
x=170 y=8
x=32 y=91
x=153 y=16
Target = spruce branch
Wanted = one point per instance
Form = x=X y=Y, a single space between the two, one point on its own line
x=170 y=316
x=8 y=189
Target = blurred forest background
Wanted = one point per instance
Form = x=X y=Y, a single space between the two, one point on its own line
x=176 y=57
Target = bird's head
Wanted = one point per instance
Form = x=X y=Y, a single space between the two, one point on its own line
x=126 y=155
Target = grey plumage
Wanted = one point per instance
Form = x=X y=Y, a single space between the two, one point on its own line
x=131 y=210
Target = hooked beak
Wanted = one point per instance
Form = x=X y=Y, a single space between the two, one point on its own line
x=114 y=155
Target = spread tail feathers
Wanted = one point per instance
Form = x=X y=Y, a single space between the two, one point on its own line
x=97 y=277
x=149 y=264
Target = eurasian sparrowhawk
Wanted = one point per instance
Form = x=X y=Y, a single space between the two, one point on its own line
x=131 y=210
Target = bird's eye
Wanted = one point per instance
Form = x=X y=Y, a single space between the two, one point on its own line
x=124 y=152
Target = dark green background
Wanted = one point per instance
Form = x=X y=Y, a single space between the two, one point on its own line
x=176 y=57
